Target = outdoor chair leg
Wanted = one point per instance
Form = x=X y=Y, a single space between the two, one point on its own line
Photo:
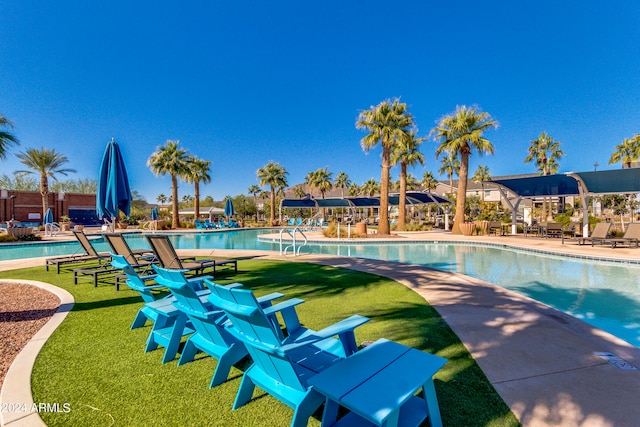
x=139 y=320
x=188 y=353
x=305 y=409
x=174 y=341
x=235 y=353
x=245 y=392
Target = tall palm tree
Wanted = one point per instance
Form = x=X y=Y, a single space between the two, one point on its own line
x=46 y=163
x=275 y=176
x=320 y=179
x=254 y=190
x=627 y=152
x=197 y=172
x=354 y=189
x=412 y=182
x=299 y=192
x=6 y=137
x=450 y=165
x=407 y=154
x=388 y=123
x=428 y=182
x=481 y=175
x=162 y=199
x=545 y=152
x=173 y=161
x=342 y=181
x=459 y=133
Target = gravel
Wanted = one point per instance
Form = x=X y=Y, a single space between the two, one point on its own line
x=24 y=309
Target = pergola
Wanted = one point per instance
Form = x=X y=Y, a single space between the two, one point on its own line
x=413 y=198
x=582 y=184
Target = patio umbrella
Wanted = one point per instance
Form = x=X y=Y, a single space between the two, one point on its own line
x=48 y=217
x=154 y=214
x=113 y=184
x=228 y=208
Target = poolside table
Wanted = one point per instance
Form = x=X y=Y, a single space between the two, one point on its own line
x=378 y=385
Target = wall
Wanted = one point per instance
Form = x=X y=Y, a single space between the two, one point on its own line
x=28 y=202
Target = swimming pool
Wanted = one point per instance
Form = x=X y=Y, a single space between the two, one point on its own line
x=604 y=294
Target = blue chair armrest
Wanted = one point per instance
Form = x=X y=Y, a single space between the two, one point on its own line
x=265 y=300
x=284 y=305
x=348 y=324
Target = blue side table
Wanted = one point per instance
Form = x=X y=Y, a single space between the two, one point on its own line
x=378 y=385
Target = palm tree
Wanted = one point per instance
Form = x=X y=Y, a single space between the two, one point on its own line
x=388 y=123
x=174 y=161
x=354 y=190
x=197 y=172
x=162 y=199
x=459 y=133
x=342 y=181
x=406 y=153
x=320 y=179
x=6 y=137
x=254 y=190
x=481 y=175
x=428 y=182
x=46 y=163
x=545 y=152
x=450 y=165
x=299 y=192
x=275 y=176
x=412 y=182
x=627 y=152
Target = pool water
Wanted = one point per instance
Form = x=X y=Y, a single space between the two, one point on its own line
x=604 y=294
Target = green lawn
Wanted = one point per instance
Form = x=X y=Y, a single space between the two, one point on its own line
x=97 y=365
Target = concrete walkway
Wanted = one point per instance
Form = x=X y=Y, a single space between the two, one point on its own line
x=541 y=361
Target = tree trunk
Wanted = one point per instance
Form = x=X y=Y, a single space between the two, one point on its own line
x=383 y=224
x=175 y=220
x=462 y=192
x=272 y=208
x=44 y=192
x=402 y=206
x=196 y=205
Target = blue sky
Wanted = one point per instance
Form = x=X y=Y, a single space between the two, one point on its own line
x=245 y=82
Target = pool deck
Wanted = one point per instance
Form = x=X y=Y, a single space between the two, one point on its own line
x=541 y=361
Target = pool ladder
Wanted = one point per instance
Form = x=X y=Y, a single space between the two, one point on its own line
x=295 y=246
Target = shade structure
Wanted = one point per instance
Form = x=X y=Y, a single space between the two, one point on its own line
x=154 y=214
x=228 y=208
x=48 y=217
x=113 y=193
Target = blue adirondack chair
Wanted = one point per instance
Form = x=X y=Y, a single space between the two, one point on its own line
x=170 y=325
x=137 y=283
x=208 y=322
x=283 y=364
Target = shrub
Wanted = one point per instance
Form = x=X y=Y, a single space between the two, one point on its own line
x=332 y=231
x=6 y=238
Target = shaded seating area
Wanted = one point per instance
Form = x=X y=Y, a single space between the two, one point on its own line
x=282 y=365
x=167 y=257
x=90 y=254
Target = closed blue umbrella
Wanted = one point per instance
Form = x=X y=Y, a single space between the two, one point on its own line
x=113 y=184
x=228 y=208
x=154 y=214
x=48 y=217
